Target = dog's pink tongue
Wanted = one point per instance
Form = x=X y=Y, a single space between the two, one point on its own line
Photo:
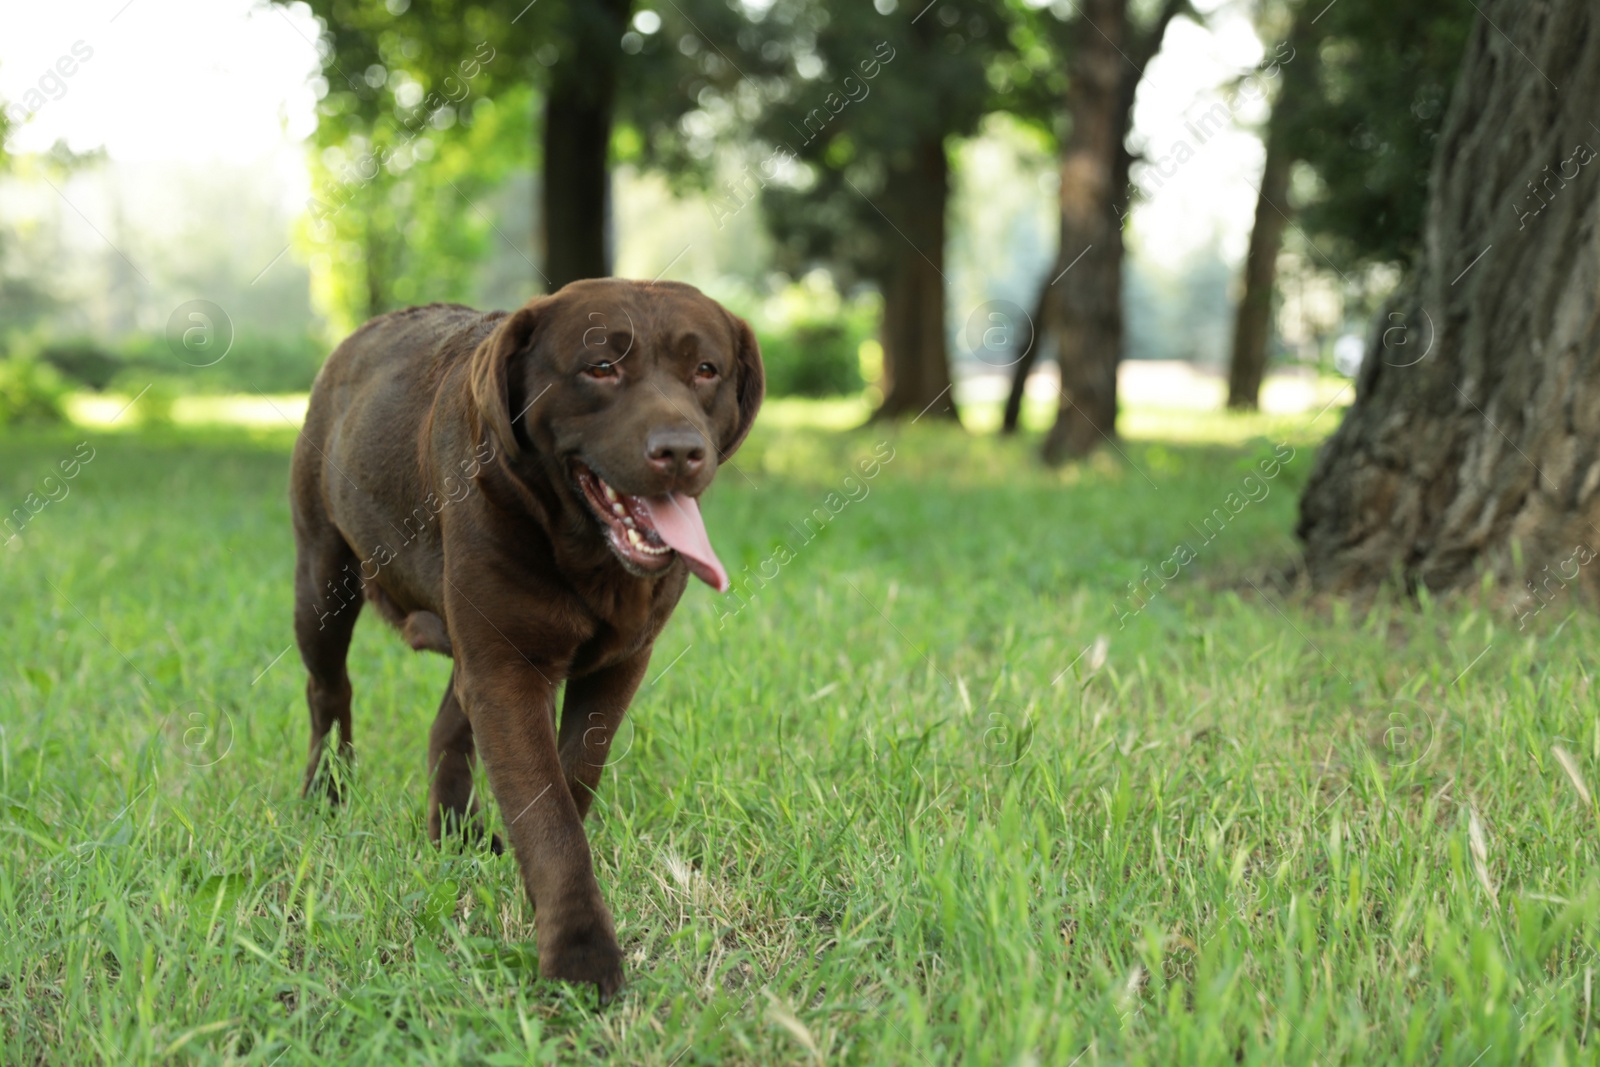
x=677 y=519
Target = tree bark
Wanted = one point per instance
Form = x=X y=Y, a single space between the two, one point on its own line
x=1083 y=303
x=1084 y=306
x=916 y=362
x=1253 y=322
x=575 y=195
x=1474 y=438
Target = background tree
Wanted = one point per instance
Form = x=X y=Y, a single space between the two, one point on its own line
x=398 y=72
x=580 y=105
x=1079 y=320
x=1296 y=68
x=404 y=145
x=1478 y=439
x=865 y=112
x=1360 y=105
x=1368 y=125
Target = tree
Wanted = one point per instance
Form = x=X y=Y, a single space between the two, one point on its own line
x=1360 y=104
x=394 y=217
x=1247 y=362
x=1368 y=126
x=1474 y=438
x=580 y=104
x=1080 y=305
x=858 y=175
x=397 y=71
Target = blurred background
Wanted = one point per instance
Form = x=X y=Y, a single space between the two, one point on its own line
x=1201 y=204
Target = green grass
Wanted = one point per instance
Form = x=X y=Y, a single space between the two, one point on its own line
x=898 y=809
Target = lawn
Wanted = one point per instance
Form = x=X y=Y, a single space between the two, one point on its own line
x=937 y=789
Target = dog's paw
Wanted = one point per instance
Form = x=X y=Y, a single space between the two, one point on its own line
x=591 y=956
x=327 y=780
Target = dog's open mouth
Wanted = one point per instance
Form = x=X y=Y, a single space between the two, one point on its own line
x=645 y=531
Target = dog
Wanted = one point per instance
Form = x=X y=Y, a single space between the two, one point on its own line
x=519 y=492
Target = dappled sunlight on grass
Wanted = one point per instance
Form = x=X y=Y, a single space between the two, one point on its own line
x=779 y=414
x=793 y=412
x=108 y=411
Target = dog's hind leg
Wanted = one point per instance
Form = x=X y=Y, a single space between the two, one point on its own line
x=327 y=600
x=452 y=808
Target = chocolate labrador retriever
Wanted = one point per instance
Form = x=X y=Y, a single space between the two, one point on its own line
x=520 y=492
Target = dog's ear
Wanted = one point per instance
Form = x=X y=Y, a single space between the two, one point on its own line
x=490 y=376
x=752 y=384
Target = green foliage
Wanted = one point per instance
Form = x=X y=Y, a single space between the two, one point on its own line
x=254 y=363
x=811 y=339
x=898 y=807
x=31 y=391
x=84 y=361
x=422 y=114
x=430 y=106
x=1369 y=128
x=854 y=95
x=817 y=358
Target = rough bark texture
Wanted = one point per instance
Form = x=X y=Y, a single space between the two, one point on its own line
x=1492 y=439
x=576 y=191
x=1083 y=308
x=1253 y=322
x=916 y=363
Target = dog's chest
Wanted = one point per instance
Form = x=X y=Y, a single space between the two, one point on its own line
x=622 y=630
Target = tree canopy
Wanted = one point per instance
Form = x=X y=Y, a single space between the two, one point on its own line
x=1369 y=128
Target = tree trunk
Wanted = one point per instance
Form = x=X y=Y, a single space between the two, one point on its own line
x=1083 y=298
x=1024 y=366
x=916 y=363
x=575 y=194
x=1475 y=430
x=1253 y=322
x=1085 y=305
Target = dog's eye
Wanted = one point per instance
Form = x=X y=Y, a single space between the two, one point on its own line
x=706 y=371
x=604 y=369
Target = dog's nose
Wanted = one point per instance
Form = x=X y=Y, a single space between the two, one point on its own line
x=676 y=453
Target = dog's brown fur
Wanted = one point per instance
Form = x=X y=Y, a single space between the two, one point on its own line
x=433 y=479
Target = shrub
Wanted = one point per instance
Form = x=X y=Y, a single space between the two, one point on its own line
x=30 y=391
x=255 y=362
x=812 y=359
x=811 y=338
x=83 y=361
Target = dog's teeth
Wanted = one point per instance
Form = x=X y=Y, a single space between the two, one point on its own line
x=634 y=539
x=619 y=509
x=611 y=494
x=627 y=521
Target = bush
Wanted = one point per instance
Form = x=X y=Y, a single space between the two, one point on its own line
x=267 y=363
x=812 y=359
x=30 y=392
x=83 y=361
x=811 y=339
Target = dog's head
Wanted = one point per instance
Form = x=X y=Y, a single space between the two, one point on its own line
x=629 y=394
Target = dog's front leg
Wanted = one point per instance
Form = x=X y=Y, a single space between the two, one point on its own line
x=591 y=714
x=510 y=703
